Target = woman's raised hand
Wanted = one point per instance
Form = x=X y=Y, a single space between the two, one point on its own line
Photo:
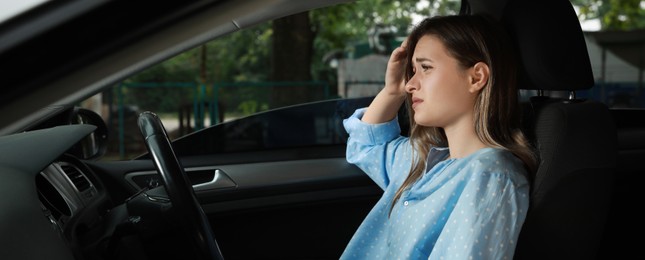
x=395 y=73
x=386 y=104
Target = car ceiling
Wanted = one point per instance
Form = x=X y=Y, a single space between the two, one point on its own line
x=65 y=51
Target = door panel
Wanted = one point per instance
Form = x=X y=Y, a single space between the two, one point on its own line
x=277 y=210
x=274 y=185
x=294 y=209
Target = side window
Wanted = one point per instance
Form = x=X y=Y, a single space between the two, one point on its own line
x=334 y=53
x=616 y=45
x=617 y=58
x=307 y=125
x=284 y=83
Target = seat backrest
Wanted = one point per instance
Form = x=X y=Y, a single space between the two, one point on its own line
x=571 y=190
x=575 y=139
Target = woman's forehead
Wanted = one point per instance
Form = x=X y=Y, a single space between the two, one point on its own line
x=429 y=47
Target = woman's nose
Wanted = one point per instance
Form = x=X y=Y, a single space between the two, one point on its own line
x=412 y=85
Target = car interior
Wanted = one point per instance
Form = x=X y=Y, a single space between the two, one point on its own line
x=245 y=190
x=585 y=148
x=575 y=138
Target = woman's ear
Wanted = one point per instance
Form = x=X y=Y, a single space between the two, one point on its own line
x=479 y=74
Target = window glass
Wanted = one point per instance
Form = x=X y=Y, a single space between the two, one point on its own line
x=615 y=36
x=334 y=53
x=247 y=81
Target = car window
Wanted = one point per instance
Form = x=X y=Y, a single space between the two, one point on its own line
x=245 y=81
x=314 y=124
x=615 y=36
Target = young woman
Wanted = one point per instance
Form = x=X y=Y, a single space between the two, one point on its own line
x=457 y=187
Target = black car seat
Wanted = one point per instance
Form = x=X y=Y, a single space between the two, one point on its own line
x=575 y=138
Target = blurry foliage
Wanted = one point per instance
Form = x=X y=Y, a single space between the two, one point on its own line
x=252 y=106
x=161 y=99
x=245 y=55
x=613 y=14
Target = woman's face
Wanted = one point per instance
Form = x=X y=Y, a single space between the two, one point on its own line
x=439 y=87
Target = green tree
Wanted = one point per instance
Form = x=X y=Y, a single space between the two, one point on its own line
x=340 y=27
x=292 y=47
x=241 y=56
x=613 y=14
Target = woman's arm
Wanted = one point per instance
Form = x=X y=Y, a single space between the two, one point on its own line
x=375 y=148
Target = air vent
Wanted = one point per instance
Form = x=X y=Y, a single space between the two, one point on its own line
x=51 y=198
x=77 y=177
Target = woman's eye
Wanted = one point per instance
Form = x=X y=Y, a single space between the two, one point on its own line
x=426 y=67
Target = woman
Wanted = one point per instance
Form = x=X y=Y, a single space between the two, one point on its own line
x=457 y=187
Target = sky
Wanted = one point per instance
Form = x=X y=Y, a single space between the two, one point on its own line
x=590 y=25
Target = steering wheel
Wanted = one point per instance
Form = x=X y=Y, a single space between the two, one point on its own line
x=179 y=189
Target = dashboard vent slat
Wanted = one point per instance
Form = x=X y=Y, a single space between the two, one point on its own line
x=79 y=180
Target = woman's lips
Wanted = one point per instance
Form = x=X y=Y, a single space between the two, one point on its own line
x=416 y=101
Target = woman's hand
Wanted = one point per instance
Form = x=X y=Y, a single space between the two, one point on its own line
x=395 y=73
x=386 y=104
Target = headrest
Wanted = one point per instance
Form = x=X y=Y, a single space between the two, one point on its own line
x=550 y=42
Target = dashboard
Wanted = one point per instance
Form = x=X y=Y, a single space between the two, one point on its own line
x=48 y=196
x=64 y=189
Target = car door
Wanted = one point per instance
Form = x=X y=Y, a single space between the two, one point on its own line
x=274 y=185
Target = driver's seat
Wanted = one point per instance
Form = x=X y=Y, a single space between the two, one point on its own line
x=575 y=138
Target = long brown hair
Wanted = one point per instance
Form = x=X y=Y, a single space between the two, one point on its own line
x=471 y=39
